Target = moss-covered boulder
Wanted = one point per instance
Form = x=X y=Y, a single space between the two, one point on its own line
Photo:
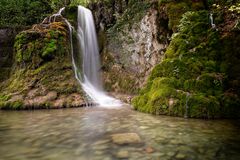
x=198 y=77
x=42 y=75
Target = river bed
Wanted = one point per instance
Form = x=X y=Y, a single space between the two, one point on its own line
x=86 y=134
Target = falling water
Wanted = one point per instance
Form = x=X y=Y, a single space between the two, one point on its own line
x=89 y=48
x=91 y=80
x=211 y=20
x=53 y=17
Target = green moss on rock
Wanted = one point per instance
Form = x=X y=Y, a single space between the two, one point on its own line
x=42 y=76
x=41 y=42
x=193 y=78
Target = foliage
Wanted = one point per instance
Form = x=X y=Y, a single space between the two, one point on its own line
x=22 y=12
x=79 y=2
x=176 y=8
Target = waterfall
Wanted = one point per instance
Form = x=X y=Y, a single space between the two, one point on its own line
x=91 y=81
x=212 y=21
x=89 y=47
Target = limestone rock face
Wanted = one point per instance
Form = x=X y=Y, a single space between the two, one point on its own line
x=140 y=48
x=133 y=51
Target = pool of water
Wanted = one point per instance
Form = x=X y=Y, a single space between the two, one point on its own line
x=86 y=133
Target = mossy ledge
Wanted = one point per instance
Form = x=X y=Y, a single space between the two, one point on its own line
x=198 y=77
x=42 y=75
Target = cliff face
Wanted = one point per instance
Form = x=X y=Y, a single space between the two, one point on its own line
x=131 y=48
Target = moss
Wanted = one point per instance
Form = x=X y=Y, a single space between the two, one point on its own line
x=175 y=11
x=231 y=105
x=156 y=99
x=4 y=97
x=49 y=49
x=6 y=104
x=140 y=102
x=17 y=105
x=170 y=68
x=44 y=43
x=202 y=106
x=120 y=81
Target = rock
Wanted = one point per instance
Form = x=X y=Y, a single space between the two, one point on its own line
x=143 y=127
x=60 y=102
x=171 y=101
x=170 y=153
x=126 y=138
x=51 y=96
x=174 y=141
x=122 y=154
x=149 y=150
x=33 y=93
x=180 y=156
x=101 y=142
x=41 y=100
x=16 y=98
x=76 y=100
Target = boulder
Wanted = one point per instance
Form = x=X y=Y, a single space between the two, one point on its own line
x=126 y=138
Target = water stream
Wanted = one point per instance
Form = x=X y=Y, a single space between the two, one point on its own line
x=91 y=80
x=85 y=134
x=212 y=21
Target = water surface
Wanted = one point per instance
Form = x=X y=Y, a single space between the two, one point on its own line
x=85 y=133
